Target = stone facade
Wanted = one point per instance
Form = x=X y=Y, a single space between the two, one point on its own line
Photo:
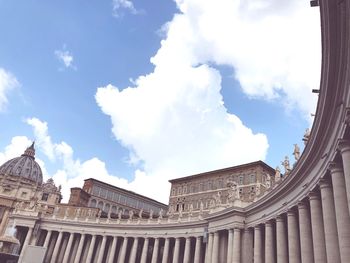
x=112 y=200
x=219 y=189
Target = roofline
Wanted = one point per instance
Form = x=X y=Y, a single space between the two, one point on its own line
x=261 y=163
x=127 y=191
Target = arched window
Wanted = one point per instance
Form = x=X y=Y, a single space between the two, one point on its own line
x=114 y=209
x=93 y=203
x=100 y=205
x=107 y=207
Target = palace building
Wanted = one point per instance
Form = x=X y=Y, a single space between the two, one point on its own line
x=243 y=214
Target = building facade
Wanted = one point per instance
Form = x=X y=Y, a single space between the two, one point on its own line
x=304 y=218
x=112 y=200
x=220 y=189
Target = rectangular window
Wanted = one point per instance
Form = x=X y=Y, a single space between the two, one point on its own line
x=45 y=196
x=241 y=180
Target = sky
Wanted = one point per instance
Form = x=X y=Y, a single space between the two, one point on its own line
x=135 y=92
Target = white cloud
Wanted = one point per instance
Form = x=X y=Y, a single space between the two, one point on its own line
x=8 y=82
x=174 y=120
x=120 y=5
x=65 y=57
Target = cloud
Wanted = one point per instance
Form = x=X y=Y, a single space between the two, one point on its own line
x=173 y=119
x=120 y=5
x=65 y=57
x=8 y=82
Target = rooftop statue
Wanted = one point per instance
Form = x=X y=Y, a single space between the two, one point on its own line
x=286 y=165
x=296 y=152
x=277 y=174
x=306 y=136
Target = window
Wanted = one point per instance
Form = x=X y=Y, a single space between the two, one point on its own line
x=44 y=197
x=185 y=190
x=24 y=194
x=173 y=192
x=241 y=180
x=179 y=191
x=252 y=178
x=93 y=203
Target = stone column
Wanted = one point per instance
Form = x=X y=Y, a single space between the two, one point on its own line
x=57 y=246
x=269 y=243
x=215 y=254
x=91 y=249
x=307 y=254
x=26 y=242
x=341 y=210
x=330 y=226
x=122 y=255
x=112 y=253
x=80 y=248
x=47 y=238
x=4 y=221
x=236 y=257
x=102 y=250
x=134 y=250
x=68 y=248
x=258 y=256
x=282 y=253
x=293 y=238
x=317 y=228
x=247 y=246
x=344 y=147
x=176 y=250
x=144 y=250
x=197 y=251
x=209 y=250
x=187 y=255
x=230 y=245
x=166 y=251
x=155 y=250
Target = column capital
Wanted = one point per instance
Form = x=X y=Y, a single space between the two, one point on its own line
x=324 y=183
x=335 y=167
x=343 y=145
x=258 y=227
x=279 y=218
x=313 y=195
x=247 y=230
x=268 y=223
x=237 y=230
x=302 y=205
x=291 y=212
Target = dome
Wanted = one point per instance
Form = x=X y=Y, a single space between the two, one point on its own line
x=24 y=166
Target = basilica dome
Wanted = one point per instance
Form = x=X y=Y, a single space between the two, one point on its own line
x=24 y=166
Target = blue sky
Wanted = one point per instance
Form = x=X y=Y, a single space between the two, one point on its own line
x=138 y=92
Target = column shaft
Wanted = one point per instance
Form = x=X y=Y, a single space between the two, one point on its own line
x=341 y=210
x=209 y=250
x=317 y=228
x=344 y=147
x=215 y=254
x=144 y=250
x=68 y=248
x=166 y=251
x=236 y=257
x=80 y=248
x=112 y=252
x=57 y=245
x=102 y=250
x=176 y=250
x=122 y=255
x=293 y=238
x=187 y=256
x=91 y=249
x=282 y=253
x=269 y=243
x=155 y=250
x=47 y=238
x=134 y=250
x=307 y=254
x=330 y=225
x=247 y=246
x=26 y=242
x=258 y=257
x=230 y=245
x=197 y=251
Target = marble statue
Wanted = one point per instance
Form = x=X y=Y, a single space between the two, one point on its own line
x=131 y=214
x=286 y=165
x=151 y=214
x=306 y=136
x=277 y=174
x=120 y=214
x=161 y=212
x=296 y=152
x=217 y=199
x=140 y=213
